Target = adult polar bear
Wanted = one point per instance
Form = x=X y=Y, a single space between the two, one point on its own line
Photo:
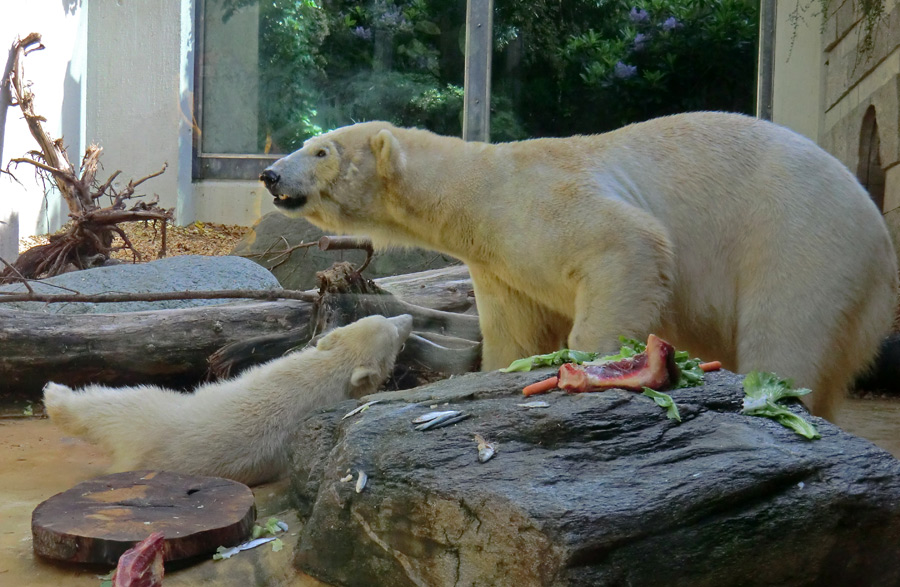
x=732 y=237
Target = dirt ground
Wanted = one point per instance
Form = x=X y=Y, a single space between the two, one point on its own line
x=198 y=238
x=37 y=462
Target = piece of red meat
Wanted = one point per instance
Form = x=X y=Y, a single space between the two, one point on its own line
x=142 y=565
x=654 y=368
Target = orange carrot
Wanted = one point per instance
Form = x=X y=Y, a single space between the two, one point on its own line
x=541 y=386
x=711 y=366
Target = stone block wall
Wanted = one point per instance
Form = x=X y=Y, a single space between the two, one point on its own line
x=851 y=85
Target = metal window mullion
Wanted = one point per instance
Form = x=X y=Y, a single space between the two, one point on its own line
x=477 y=84
x=766 y=61
x=199 y=47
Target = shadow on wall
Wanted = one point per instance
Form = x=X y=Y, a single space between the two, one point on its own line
x=5 y=97
x=9 y=237
x=70 y=114
x=71 y=6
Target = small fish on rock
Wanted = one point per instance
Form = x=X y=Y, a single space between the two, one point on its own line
x=441 y=420
x=534 y=405
x=361 y=481
x=433 y=415
x=359 y=409
x=486 y=449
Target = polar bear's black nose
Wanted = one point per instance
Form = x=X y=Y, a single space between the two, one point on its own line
x=270 y=178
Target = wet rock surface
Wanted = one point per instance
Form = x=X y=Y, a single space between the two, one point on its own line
x=595 y=489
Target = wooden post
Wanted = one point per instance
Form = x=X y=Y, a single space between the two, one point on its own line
x=477 y=101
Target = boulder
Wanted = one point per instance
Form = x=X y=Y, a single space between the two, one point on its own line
x=595 y=489
x=182 y=273
x=276 y=232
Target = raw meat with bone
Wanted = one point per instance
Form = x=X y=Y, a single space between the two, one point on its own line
x=654 y=368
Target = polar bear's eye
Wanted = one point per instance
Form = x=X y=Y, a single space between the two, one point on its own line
x=321 y=153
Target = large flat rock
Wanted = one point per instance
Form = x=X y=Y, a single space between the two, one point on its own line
x=181 y=273
x=596 y=489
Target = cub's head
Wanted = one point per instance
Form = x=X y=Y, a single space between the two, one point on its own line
x=369 y=348
x=336 y=179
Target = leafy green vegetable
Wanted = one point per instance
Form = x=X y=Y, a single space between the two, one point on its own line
x=630 y=347
x=663 y=400
x=107 y=579
x=550 y=360
x=277 y=545
x=763 y=389
x=28 y=411
x=272 y=526
x=690 y=373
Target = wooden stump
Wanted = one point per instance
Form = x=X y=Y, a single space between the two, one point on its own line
x=98 y=520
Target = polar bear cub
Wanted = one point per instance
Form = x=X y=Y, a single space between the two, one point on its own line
x=239 y=428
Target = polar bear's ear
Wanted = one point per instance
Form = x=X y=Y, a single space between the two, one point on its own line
x=389 y=157
x=364 y=376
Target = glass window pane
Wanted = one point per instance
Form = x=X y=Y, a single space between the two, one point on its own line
x=276 y=72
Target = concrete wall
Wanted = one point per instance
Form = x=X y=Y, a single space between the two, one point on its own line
x=797 y=100
x=58 y=75
x=852 y=85
x=139 y=94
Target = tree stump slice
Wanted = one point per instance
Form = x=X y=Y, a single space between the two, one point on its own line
x=98 y=520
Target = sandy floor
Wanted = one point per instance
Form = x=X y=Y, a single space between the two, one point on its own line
x=36 y=462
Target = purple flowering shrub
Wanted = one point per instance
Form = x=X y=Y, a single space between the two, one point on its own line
x=605 y=65
x=666 y=57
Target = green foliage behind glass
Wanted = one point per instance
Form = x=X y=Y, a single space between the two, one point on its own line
x=560 y=67
x=328 y=63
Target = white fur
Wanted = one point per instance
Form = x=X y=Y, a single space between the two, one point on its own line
x=731 y=237
x=239 y=428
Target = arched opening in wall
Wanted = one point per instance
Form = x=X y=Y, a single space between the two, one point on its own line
x=870 y=172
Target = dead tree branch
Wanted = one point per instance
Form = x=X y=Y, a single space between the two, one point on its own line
x=110 y=298
x=90 y=235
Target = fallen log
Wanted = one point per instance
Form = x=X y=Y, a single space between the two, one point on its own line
x=447 y=343
x=171 y=347
x=164 y=347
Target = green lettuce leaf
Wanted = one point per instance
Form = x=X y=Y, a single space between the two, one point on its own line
x=690 y=374
x=550 y=360
x=762 y=390
x=663 y=400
